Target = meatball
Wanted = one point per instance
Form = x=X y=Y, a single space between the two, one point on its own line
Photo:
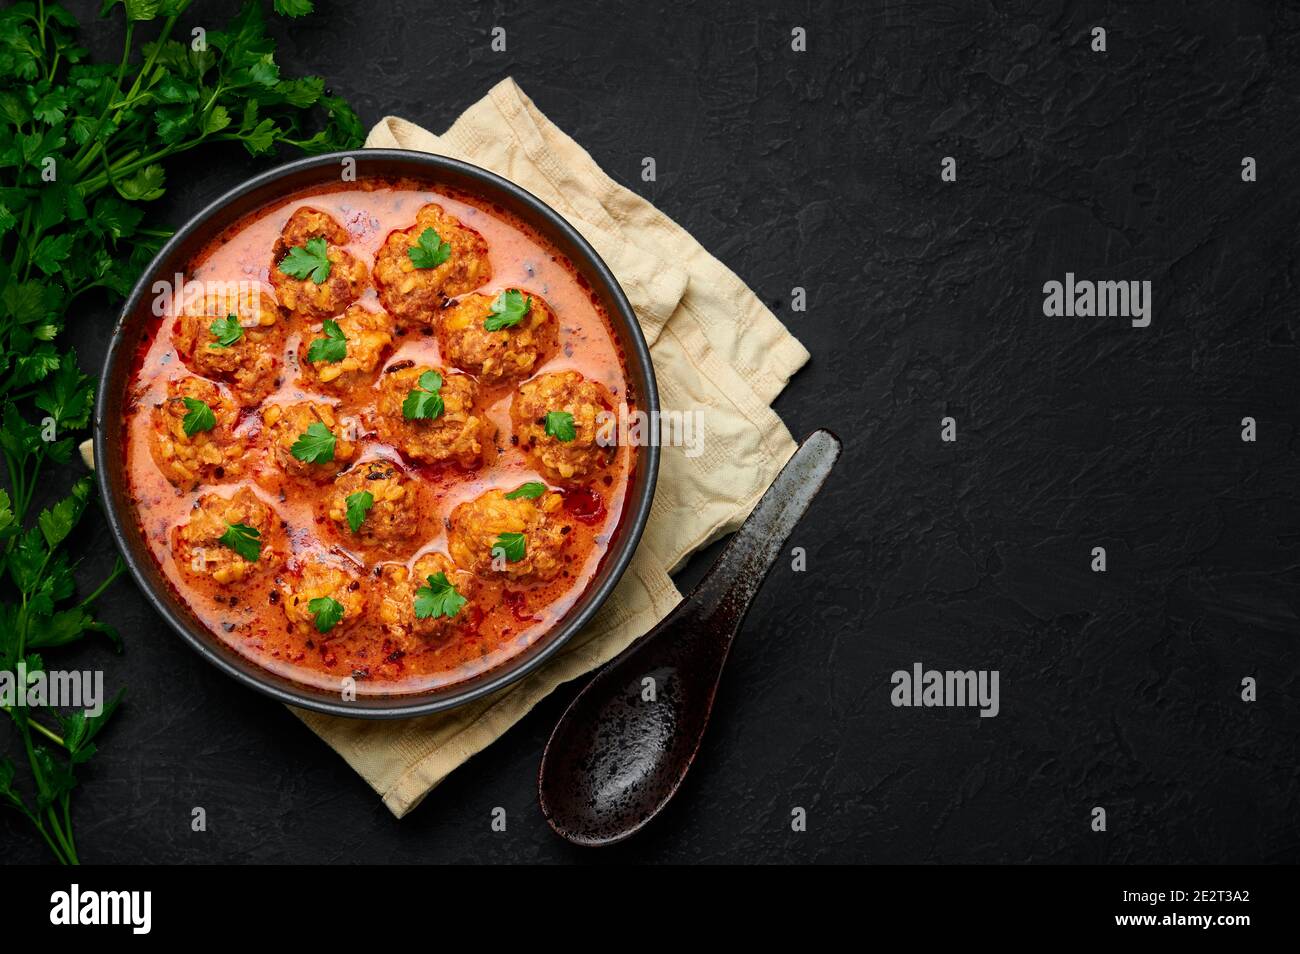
x=366 y=335
x=414 y=294
x=203 y=456
x=315 y=580
x=287 y=423
x=394 y=506
x=509 y=353
x=225 y=539
x=308 y=223
x=249 y=356
x=491 y=522
x=341 y=286
x=399 y=587
x=562 y=454
x=457 y=434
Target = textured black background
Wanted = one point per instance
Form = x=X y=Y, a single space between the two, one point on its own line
x=822 y=170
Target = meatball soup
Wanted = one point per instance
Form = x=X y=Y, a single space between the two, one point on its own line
x=372 y=439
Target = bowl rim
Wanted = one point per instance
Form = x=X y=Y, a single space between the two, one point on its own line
x=552 y=226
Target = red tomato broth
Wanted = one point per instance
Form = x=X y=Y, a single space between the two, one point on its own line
x=505 y=620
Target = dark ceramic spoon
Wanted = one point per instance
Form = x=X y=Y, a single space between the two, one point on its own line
x=615 y=758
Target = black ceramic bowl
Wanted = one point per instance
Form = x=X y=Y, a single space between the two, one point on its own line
x=132 y=325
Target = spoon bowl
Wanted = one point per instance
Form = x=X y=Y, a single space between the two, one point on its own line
x=622 y=748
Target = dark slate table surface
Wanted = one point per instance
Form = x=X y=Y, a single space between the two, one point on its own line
x=821 y=170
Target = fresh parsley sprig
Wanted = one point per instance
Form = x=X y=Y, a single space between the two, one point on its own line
x=40 y=574
x=308 y=261
x=512 y=547
x=507 y=310
x=529 y=491
x=246 y=541
x=358 y=505
x=439 y=598
x=560 y=425
x=430 y=250
x=315 y=445
x=82 y=146
x=424 y=402
x=328 y=612
x=331 y=349
x=225 y=332
x=198 y=417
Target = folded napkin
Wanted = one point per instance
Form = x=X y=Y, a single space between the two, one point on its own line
x=715 y=348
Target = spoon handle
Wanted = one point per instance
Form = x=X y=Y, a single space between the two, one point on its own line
x=731 y=584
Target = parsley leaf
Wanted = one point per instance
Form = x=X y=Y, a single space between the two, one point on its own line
x=327 y=610
x=508 y=309
x=439 y=598
x=529 y=491
x=292 y=8
x=244 y=540
x=310 y=261
x=559 y=424
x=511 y=546
x=314 y=445
x=226 y=330
x=198 y=418
x=424 y=403
x=330 y=349
x=359 y=505
x=431 y=251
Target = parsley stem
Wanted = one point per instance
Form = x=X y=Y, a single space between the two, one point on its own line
x=67 y=826
x=40 y=31
x=18 y=482
x=129 y=163
x=83 y=161
x=60 y=837
x=49 y=734
x=93 y=141
x=153 y=55
x=31 y=757
x=35 y=820
x=119 y=567
x=26 y=247
x=32 y=483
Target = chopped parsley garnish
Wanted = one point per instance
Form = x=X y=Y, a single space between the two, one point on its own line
x=309 y=261
x=330 y=349
x=509 y=545
x=559 y=424
x=431 y=251
x=198 y=417
x=226 y=331
x=327 y=610
x=314 y=445
x=244 y=540
x=529 y=491
x=508 y=309
x=424 y=402
x=359 y=505
x=439 y=598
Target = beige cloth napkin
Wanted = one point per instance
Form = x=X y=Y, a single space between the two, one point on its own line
x=715 y=348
